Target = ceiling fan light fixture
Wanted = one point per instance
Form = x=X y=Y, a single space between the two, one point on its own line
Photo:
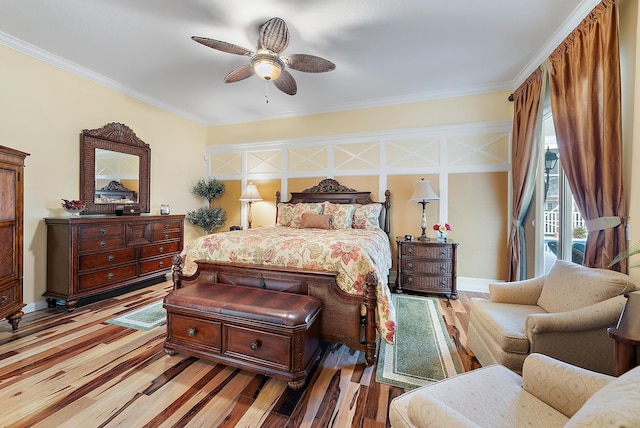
x=267 y=69
x=267 y=66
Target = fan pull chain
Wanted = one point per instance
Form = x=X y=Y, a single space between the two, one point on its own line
x=266 y=91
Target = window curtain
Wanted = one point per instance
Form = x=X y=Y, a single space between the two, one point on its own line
x=527 y=127
x=586 y=105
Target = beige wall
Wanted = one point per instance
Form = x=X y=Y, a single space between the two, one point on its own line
x=44 y=109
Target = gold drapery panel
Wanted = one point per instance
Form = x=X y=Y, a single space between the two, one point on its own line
x=527 y=123
x=586 y=105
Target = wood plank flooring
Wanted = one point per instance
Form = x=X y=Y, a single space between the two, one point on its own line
x=72 y=370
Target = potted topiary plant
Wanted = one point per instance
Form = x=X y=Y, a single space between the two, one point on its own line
x=208 y=218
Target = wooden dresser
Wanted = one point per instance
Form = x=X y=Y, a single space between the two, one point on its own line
x=427 y=267
x=11 y=239
x=89 y=255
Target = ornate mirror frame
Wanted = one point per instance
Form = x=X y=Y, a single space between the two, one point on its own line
x=115 y=137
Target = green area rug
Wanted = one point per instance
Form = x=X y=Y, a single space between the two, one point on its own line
x=423 y=352
x=144 y=318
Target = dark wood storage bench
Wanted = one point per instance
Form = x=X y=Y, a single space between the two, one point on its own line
x=269 y=332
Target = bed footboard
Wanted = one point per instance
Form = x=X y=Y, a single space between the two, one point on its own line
x=343 y=319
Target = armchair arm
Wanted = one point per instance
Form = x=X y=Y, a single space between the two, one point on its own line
x=427 y=411
x=524 y=292
x=554 y=382
x=597 y=316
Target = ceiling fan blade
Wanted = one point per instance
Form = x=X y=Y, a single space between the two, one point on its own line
x=274 y=35
x=223 y=46
x=308 y=63
x=286 y=83
x=239 y=73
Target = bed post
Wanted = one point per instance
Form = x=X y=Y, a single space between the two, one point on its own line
x=176 y=271
x=370 y=294
x=387 y=206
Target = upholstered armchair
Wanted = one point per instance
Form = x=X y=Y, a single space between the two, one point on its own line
x=549 y=394
x=564 y=314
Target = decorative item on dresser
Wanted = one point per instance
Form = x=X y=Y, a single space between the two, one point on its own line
x=11 y=239
x=91 y=255
x=427 y=267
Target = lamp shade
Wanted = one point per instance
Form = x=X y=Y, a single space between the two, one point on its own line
x=423 y=192
x=250 y=194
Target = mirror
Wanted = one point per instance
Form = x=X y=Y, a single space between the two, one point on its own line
x=114 y=170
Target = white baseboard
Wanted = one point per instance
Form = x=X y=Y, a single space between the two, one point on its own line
x=479 y=285
x=36 y=306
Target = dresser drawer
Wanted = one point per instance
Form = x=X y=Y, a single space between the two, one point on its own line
x=110 y=258
x=98 y=231
x=164 y=236
x=101 y=244
x=105 y=277
x=256 y=346
x=195 y=330
x=159 y=249
x=423 y=266
x=160 y=226
x=427 y=251
x=155 y=265
x=8 y=296
x=426 y=283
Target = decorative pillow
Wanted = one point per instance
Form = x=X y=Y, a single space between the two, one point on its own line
x=570 y=286
x=367 y=216
x=615 y=405
x=316 y=221
x=285 y=214
x=342 y=214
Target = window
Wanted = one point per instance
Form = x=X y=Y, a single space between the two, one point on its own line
x=564 y=231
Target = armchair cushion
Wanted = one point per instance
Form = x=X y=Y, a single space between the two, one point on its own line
x=571 y=286
x=615 y=405
x=562 y=386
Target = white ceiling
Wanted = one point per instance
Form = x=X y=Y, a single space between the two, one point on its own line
x=385 y=51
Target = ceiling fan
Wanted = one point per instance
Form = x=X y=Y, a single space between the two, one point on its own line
x=266 y=61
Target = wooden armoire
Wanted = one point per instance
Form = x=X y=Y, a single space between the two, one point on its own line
x=11 y=239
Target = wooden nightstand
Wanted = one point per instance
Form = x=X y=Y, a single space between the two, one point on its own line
x=427 y=267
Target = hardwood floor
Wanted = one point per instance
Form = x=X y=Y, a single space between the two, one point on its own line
x=73 y=370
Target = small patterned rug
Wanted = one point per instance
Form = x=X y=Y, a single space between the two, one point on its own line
x=423 y=352
x=144 y=318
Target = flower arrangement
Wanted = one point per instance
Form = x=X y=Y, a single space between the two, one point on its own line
x=74 y=206
x=444 y=227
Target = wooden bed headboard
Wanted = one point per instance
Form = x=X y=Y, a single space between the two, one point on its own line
x=332 y=191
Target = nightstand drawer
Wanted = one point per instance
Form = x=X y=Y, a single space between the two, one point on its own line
x=426 y=283
x=423 y=266
x=433 y=251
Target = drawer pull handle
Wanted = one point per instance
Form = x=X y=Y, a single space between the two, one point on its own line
x=443 y=254
x=443 y=284
x=4 y=298
x=161 y=264
x=110 y=275
x=110 y=258
x=103 y=244
x=409 y=265
x=410 y=279
x=103 y=231
x=161 y=249
x=255 y=345
x=442 y=269
x=166 y=225
x=166 y=236
x=410 y=250
x=192 y=332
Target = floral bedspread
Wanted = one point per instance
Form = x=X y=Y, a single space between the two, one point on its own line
x=353 y=253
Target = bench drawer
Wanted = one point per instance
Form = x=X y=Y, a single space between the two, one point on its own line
x=195 y=330
x=256 y=346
